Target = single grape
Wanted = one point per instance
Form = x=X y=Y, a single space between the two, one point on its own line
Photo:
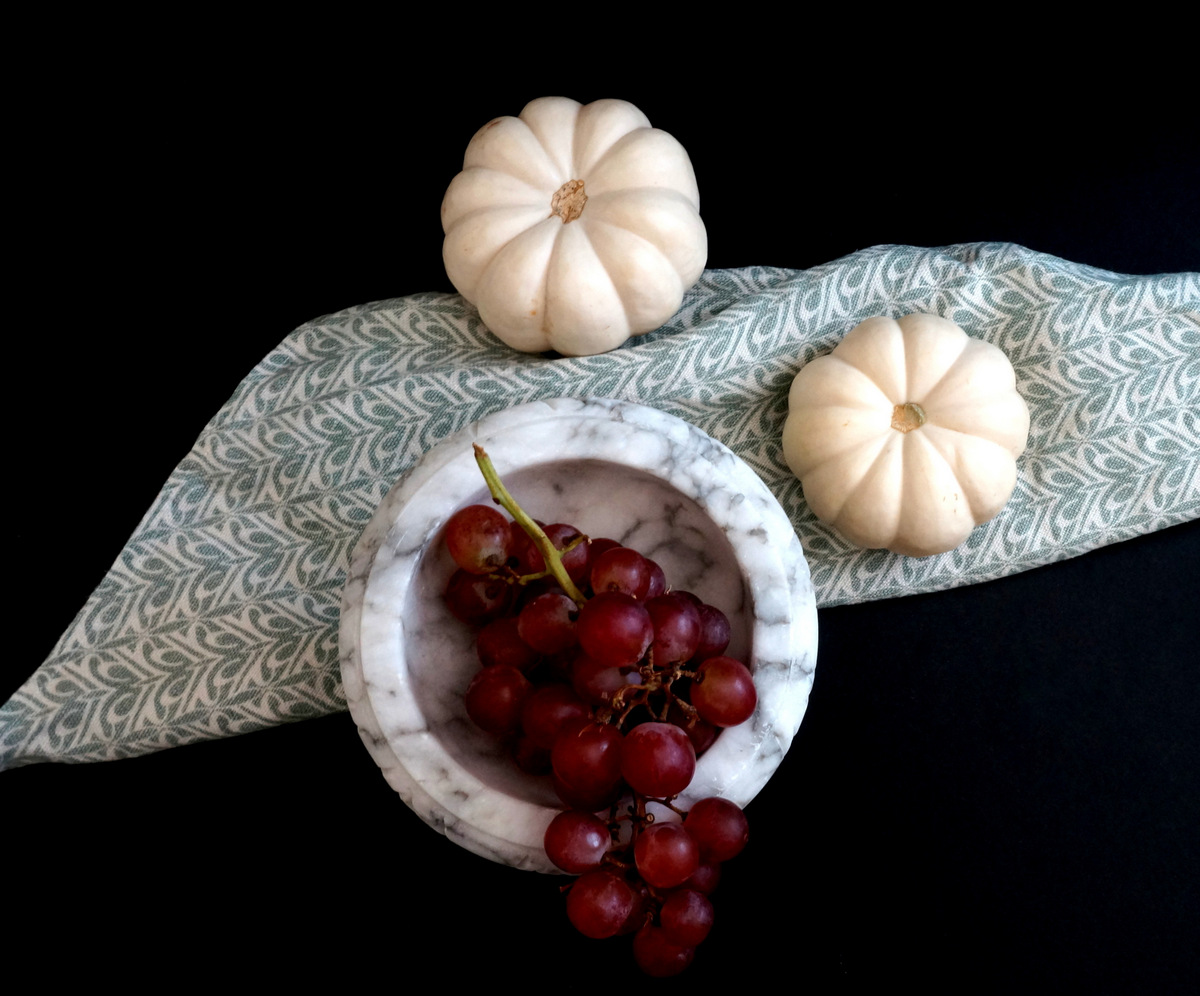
x=525 y=557
x=599 y=903
x=705 y=878
x=614 y=629
x=715 y=633
x=576 y=561
x=702 y=734
x=476 y=599
x=657 y=956
x=586 y=757
x=577 y=841
x=597 y=546
x=621 y=569
x=547 y=709
x=676 y=628
x=719 y=827
x=723 y=692
x=478 y=538
x=500 y=643
x=548 y=623
x=686 y=917
x=595 y=682
x=665 y=855
x=658 y=580
x=657 y=760
x=495 y=697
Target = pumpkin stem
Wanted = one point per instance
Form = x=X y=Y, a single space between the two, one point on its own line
x=568 y=201
x=908 y=416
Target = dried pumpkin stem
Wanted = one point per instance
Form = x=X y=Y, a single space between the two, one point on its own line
x=568 y=201
x=908 y=416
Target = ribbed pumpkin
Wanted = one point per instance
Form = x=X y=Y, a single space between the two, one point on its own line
x=906 y=435
x=572 y=227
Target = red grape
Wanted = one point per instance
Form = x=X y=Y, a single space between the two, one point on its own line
x=547 y=709
x=657 y=956
x=599 y=903
x=657 y=760
x=621 y=569
x=723 y=692
x=614 y=629
x=500 y=643
x=658 y=580
x=548 y=623
x=596 y=682
x=476 y=599
x=686 y=917
x=586 y=757
x=719 y=828
x=705 y=878
x=715 y=632
x=702 y=734
x=577 y=841
x=676 y=628
x=494 y=699
x=665 y=855
x=478 y=538
x=577 y=562
x=524 y=552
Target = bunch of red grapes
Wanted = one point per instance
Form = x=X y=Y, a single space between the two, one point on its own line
x=597 y=675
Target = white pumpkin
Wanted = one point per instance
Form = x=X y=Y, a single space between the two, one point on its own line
x=906 y=436
x=573 y=227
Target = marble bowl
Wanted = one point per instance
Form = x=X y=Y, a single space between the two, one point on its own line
x=613 y=469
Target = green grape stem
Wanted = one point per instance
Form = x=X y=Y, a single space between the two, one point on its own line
x=552 y=556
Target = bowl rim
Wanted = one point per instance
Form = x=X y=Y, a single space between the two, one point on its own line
x=782 y=610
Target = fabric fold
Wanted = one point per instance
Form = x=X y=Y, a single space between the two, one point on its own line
x=220 y=615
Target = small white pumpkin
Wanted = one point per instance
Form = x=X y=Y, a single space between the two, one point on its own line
x=573 y=227
x=906 y=435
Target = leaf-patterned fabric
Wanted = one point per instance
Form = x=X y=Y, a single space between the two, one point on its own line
x=220 y=615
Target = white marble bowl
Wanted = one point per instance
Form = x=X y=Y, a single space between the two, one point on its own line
x=613 y=469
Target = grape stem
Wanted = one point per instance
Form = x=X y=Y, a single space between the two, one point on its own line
x=552 y=556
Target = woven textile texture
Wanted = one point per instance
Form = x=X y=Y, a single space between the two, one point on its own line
x=220 y=615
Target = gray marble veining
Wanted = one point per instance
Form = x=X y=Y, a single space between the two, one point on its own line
x=614 y=469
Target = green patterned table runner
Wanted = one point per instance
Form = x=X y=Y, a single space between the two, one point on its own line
x=220 y=615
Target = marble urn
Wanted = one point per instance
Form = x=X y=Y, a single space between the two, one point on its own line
x=611 y=468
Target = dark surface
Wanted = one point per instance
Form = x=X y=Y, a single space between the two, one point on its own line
x=994 y=788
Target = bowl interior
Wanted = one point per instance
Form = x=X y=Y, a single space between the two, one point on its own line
x=602 y=499
x=613 y=469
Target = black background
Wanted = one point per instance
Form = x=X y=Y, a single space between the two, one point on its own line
x=994 y=788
